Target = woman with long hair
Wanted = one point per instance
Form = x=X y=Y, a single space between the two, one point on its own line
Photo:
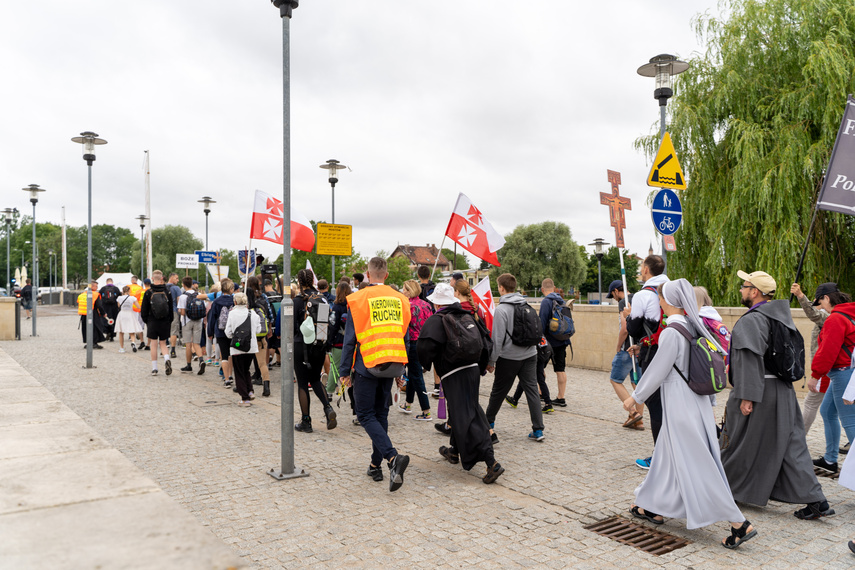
x=420 y=311
x=256 y=299
x=308 y=358
x=686 y=477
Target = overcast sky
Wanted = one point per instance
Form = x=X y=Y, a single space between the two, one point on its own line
x=523 y=106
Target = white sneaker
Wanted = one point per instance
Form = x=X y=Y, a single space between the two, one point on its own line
x=121 y=351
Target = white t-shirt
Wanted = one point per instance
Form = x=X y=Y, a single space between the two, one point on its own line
x=182 y=304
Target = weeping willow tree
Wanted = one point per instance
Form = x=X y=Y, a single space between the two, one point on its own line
x=754 y=121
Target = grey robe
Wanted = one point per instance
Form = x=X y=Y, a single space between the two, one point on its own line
x=765 y=454
x=686 y=479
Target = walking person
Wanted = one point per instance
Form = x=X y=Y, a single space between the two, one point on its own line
x=622 y=363
x=27 y=297
x=511 y=358
x=157 y=314
x=309 y=355
x=136 y=290
x=127 y=321
x=97 y=316
x=686 y=478
x=460 y=364
x=373 y=348
x=223 y=302
x=242 y=326
x=559 y=346
x=192 y=310
x=420 y=312
x=257 y=301
x=109 y=294
x=834 y=358
x=817 y=316
x=175 y=328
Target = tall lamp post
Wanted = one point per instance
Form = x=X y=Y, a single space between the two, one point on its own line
x=9 y=214
x=89 y=139
x=663 y=67
x=34 y=190
x=333 y=165
x=287 y=469
x=599 y=250
x=142 y=220
x=206 y=202
x=50 y=275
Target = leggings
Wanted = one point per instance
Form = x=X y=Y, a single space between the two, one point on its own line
x=309 y=374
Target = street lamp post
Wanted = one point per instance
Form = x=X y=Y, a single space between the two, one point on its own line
x=333 y=165
x=34 y=190
x=89 y=139
x=142 y=220
x=50 y=276
x=599 y=250
x=663 y=67
x=287 y=469
x=206 y=202
x=8 y=215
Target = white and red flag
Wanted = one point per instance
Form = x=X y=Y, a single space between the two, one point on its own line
x=267 y=220
x=474 y=233
x=314 y=275
x=483 y=297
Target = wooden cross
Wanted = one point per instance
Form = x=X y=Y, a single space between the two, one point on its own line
x=617 y=204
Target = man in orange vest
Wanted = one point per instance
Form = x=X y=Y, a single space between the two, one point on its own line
x=97 y=312
x=378 y=317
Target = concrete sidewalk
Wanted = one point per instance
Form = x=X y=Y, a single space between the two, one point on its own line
x=212 y=460
x=70 y=500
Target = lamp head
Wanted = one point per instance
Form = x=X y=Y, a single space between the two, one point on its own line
x=286 y=6
x=333 y=166
x=142 y=220
x=34 y=190
x=599 y=247
x=663 y=67
x=206 y=202
x=88 y=139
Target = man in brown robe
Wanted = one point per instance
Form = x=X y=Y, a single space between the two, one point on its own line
x=763 y=446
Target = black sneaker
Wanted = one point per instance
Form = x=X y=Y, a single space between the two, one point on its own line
x=823 y=464
x=172 y=353
x=304 y=426
x=443 y=428
x=559 y=402
x=146 y=347
x=814 y=511
x=154 y=372
x=201 y=366
x=375 y=473
x=396 y=471
x=331 y=421
x=256 y=381
x=494 y=439
x=187 y=368
x=168 y=366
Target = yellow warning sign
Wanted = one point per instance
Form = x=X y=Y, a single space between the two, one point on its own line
x=666 y=171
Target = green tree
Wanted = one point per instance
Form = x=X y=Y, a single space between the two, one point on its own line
x=168 y=241
x=459 y=261
x=753 y=121
x=399 y=271
x=537 y=251
x=610 y=271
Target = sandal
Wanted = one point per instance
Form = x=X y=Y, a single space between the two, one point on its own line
x=646 y=515
x=493 y=473
x=451 y=457
x=739 y=535
x=633 y=419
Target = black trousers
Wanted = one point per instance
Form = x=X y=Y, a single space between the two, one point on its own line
x=506 y=371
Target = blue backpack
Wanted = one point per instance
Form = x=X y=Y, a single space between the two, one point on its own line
x=561 y=325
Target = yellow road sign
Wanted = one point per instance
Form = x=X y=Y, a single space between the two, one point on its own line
x=666 y=171
x=335 y=239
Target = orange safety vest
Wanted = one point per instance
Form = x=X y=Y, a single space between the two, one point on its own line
x=136 y=291
x=380 y=316
x=81 y=301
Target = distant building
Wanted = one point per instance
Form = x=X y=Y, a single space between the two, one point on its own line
x=422 y=255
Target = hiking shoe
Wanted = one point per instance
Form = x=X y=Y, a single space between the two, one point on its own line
x=442 y=427
x=168 y=367
x=375 y=473
x=154 y=372
x=559 y=402
x=304 y=426
x=823 y=464
x=537 y=435
x=493 y=473
x=405 y=409
x=172 y=353
x=494 y=439
x=424 y=416
x=814 y=511
x=201 y=367
x=449 y=455
x=511 y=401
x=187 y=368
x=331 y=421
x=548 y=409
x=643 y=463
x=396 y=471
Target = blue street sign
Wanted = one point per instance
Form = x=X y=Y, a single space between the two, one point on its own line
x=667 y=212
x=207 y=256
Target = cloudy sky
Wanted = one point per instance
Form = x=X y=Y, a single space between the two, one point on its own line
x=523 y=106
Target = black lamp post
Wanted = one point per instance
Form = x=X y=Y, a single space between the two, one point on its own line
x=333 y=165
x=34 y=190
x=9 y=214
x=89 y=140
x=206 y=202
x=599 y=250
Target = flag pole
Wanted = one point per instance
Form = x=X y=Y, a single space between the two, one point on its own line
x=436 y=260
x=626 y=296
x=807 y=239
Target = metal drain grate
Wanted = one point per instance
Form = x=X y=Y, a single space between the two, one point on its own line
x=210 y=402
x=641 y=537
x=827 y=474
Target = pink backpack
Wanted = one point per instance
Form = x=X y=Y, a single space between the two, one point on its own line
x=719 y=331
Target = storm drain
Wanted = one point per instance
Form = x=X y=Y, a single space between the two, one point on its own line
x=209 y=402
x=820 y=472
x=637 y=535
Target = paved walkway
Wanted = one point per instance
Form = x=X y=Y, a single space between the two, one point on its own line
x=212 y=459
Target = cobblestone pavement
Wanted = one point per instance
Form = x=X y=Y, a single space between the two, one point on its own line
x=213 y=460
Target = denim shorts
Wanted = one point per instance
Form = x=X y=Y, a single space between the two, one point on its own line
x=622 y=367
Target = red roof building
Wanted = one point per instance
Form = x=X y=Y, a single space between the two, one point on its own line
x=422 y=255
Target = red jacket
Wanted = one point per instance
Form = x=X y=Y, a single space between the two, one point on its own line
x=836 y=332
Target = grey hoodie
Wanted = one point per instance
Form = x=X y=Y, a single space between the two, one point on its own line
x=503 y=324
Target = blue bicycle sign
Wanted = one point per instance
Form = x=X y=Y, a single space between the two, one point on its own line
x=667 y=212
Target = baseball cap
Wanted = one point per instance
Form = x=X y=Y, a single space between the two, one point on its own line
x=616 y=285
x=824 y=290
x=147 y=281
x=764 y=282
x=457 y=275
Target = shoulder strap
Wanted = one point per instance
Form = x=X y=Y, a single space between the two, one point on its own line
x=682 y=330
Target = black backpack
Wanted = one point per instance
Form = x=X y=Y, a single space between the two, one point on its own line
x=785 y=353
x=707 y=370
x=463 y=339
x=526 y=329
x=317 y=307
x=242 y=337
x=109 y=294
x=159 y=305
x=195 y=308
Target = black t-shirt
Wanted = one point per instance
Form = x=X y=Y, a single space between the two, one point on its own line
x=621 y=306
x=27 y=293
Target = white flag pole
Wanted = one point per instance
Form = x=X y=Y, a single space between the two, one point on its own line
x=436 y=260
x=626 y=296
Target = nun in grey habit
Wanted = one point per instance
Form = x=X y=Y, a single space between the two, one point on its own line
x=686 y=479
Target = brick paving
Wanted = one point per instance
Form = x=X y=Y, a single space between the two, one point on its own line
x=213 y=461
